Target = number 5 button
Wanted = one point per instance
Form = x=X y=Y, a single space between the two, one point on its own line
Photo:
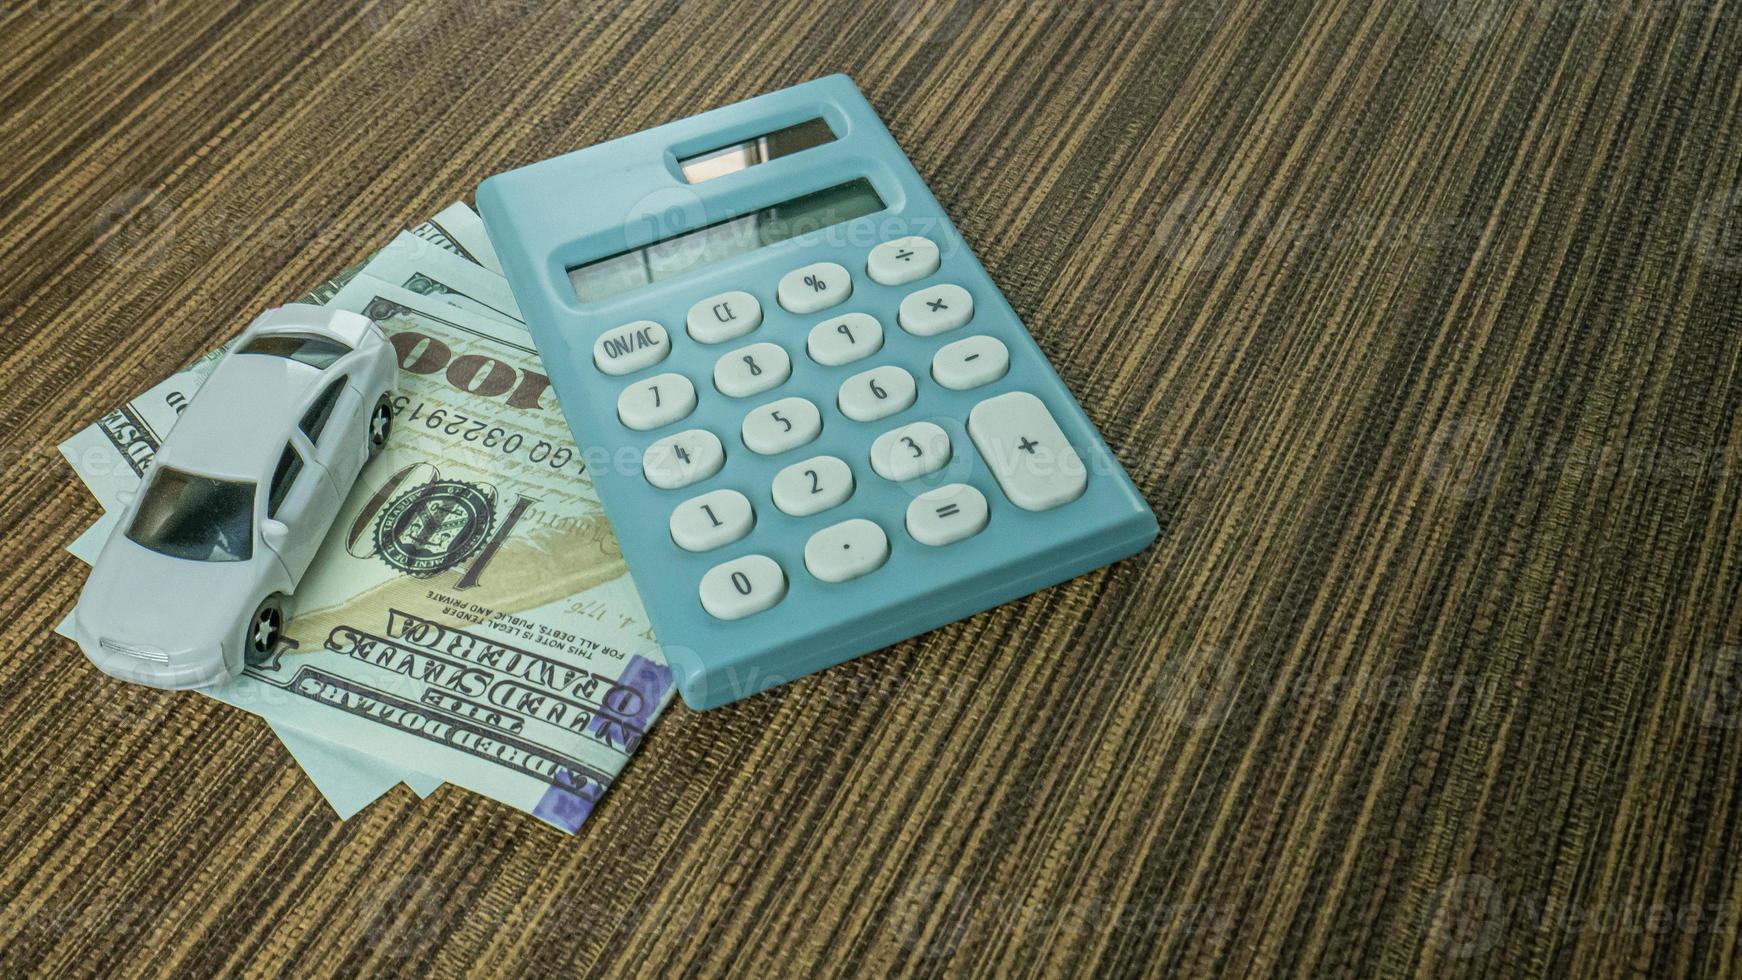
x=742 y=587
x=782 y=425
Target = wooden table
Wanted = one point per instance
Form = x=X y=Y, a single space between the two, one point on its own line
x=1416 y=321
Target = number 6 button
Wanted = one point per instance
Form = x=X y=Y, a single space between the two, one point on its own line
x=742 y=587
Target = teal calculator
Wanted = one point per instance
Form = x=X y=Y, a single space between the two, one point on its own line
x=815 y=424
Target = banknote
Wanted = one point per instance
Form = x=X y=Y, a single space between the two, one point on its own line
x=458 y=229
x=470 y=616
x=423 y=266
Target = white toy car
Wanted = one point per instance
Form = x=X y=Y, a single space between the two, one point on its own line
x=237 y=500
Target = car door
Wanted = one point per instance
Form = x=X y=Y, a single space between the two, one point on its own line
x=300 y=496
x=334 y=422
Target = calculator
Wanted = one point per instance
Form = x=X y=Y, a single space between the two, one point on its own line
x=815 y=424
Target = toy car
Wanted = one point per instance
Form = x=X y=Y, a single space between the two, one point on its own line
x=194 y=578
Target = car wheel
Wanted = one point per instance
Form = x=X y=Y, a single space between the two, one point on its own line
x=264 y=630
x=380 y=424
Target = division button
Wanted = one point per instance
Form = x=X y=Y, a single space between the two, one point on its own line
x=902 y=261
x=910 y=451
x=877 y=393
x=814 y=287
x=782 y=425
x=970 y=363
x=947 y=515
x=844 y=339
x=1034 y=464
x=631 y=347
x=712 y=520
x=742 y=587
x=813 y=486
x=752 y=370
x=935 y=309
x=846 y=550
x=683 y=458
x=727 y=316
x=656 y=401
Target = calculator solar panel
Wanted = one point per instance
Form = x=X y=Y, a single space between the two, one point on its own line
x=816 y=425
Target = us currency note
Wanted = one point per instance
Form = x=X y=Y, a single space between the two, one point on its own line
x=469 y=617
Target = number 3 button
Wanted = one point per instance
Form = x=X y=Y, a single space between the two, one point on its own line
x=910 y=452
x=742 y=587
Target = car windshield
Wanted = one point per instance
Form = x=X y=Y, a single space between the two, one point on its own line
x=319 y=352
x=183 y=515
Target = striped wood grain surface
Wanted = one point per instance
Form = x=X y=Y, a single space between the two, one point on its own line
x=1415 y=320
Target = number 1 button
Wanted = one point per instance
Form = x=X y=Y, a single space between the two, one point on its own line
x=742 y=587
x=712 y=520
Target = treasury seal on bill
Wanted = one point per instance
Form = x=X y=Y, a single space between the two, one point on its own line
x=432 y=528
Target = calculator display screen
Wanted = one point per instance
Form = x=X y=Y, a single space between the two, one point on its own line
x=721 y=240
x=725 y=160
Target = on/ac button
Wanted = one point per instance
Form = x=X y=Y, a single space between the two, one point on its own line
x=631 y=347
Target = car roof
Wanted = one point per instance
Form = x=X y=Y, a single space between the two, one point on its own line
x=239 y=421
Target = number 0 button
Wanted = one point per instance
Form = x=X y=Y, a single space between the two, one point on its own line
x=712 y=520
x=742 y=587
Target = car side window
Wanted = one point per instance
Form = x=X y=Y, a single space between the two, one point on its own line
x=289 y=465
x=314 y=421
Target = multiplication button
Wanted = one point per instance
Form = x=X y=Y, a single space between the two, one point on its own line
x=970 y=363
x=1028 y=453
x=727 y=316
x=682 y=459
x=902 y=261
x=814 y=287
x=631 y=347
x=935 y=309
x=742 y=587
x=847 y=550
x=947 y=515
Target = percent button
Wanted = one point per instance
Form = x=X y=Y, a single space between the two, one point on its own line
x=814 y=287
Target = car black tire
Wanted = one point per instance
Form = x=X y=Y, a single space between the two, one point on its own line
x=380 y=424
x=264 y=629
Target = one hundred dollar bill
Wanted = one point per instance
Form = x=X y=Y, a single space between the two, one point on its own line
x=469 y=616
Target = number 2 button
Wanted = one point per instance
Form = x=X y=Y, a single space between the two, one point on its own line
x=813 y=486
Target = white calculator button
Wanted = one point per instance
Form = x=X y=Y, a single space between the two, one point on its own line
x=782 y=425
x=846 y=550
x=681 y=459
x=724 y=317
x=844 y=339
x=656 y=401
x=712 y=520
x=813 y=486
x=1027 y=451
x=631 y=347
x=970 y=363
x=742 y=587
x=902 y=261
x=877 y=393
x=815 y=287
x=910 y=452
x=947 y=515
x=934 y=309
x=751 y=370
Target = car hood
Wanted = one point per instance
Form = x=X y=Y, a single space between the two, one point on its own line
x=135 y=595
